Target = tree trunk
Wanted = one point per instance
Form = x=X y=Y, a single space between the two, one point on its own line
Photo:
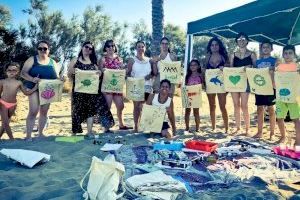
x=157 y=25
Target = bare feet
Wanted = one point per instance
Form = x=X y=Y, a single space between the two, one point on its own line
x=41 y=135
x=271 y=136
x=258 y=135
x=281 y=140
x=236 y=132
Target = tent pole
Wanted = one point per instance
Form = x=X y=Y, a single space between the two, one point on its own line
x=188 y=54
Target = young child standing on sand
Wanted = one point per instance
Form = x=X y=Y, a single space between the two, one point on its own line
x=266 y=61
x=8 y=101
x=193 y=77
x=289 y=65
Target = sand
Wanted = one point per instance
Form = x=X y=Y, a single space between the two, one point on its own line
x=59 y=178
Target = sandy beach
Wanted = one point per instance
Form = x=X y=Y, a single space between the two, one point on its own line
x=59 y=178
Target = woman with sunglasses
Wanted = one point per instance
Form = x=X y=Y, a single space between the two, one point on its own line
x=243 y=57
x=88 y=107
x=36 y=68
x=217 y=58
x=111 y=60
x=165 y=55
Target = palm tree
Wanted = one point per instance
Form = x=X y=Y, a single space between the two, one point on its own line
x=157 y=25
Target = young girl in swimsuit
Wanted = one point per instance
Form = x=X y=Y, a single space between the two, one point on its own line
x=8 y=101
x=193 y=77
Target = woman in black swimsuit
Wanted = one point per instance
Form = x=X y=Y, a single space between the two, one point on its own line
x=217 y=58
x=242 y=57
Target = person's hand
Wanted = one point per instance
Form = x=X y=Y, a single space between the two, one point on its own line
x=36 y=79
x=63 y=78
x=156 y=59
x=148 y=77
x=99 y=72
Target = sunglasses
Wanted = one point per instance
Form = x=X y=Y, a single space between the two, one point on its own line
x=241 y=39
x=87 y=47
x=112 y=45
x=42 y=48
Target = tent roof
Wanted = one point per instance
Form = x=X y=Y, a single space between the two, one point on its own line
x=277 y=20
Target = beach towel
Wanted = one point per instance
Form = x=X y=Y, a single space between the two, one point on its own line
x=104 y=179
x=191 y=96
x=86 y=81
x=50 y=91
x=260 y=81
x=152 y=118
x=156 y=185
x=26 y=157
x=214 y=80
x=287 y=86
x=71 y=139
x=235 y=79
x=135 y=89
x=113 y=81
x=170 y=71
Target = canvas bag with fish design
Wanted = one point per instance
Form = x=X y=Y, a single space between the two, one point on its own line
x=214 y=81
x=50 y=91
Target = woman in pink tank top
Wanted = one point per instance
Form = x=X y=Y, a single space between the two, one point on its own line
x=112 y=61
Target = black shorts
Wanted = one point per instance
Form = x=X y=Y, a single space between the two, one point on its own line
x=146 y=95
x=265 y=100
x=165 y=126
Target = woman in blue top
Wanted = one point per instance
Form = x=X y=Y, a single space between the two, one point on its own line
x=36 y=68
x=243 y=57
x=217 y=58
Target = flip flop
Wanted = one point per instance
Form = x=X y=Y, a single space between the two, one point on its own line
x=125 y=128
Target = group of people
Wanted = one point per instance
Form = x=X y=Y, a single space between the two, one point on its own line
x=91 y=108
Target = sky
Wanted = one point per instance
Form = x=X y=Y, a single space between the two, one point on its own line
x=178 y=12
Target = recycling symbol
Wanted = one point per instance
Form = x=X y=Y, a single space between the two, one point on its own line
x=259 y=80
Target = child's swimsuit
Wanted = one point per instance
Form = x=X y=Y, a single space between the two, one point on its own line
x=7 y=104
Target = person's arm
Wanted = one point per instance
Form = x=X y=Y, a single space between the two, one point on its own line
x=173 y=57
x=1 y=88
x=71 y=69
x=129 y=66
x=101 y=64
x=171 y=116
x=231 y=60
x=154 y=69
x=26 y=91
x=26 y=67
x=253 y=58
x=150 y=99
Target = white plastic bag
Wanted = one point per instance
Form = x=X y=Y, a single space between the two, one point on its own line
x=105 y=177
x=26 y=157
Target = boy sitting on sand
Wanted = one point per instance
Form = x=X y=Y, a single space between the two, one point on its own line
x=8 y=91
x=289 y=65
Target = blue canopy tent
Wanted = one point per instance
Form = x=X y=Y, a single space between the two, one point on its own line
x=276 y=20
